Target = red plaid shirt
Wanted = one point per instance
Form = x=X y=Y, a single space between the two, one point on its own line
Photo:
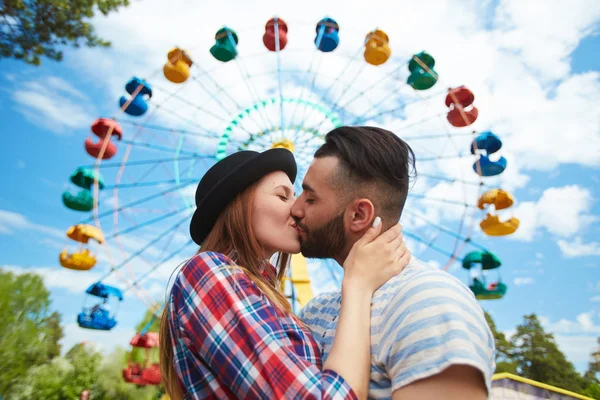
x=229 y=341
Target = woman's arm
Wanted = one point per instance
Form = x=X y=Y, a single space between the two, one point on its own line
x=372 y=261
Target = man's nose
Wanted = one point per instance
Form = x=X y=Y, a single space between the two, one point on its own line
x=296 y=211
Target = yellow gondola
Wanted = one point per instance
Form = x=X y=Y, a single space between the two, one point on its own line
x=492 y=226
x=79 y=261
x=83 y=259
x=500 y=200
x=83 y=233
x=498 y=197
x=177 y=68
x=377 y=49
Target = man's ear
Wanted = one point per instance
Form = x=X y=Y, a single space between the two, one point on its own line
x=361 y=213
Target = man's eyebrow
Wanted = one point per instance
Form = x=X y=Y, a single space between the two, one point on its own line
x=307 y=187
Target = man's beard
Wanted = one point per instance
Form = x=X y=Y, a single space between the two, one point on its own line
x=325 y=242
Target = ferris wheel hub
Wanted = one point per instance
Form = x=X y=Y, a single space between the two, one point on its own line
x=285 y=144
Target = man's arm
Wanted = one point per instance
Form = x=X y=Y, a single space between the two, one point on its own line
x=435 y=340
x=457 y=382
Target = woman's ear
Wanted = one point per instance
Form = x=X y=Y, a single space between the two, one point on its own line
x=361 y=215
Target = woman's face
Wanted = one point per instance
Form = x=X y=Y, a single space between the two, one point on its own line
x=271 y=219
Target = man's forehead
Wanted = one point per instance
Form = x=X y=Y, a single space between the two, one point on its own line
x=321 y=171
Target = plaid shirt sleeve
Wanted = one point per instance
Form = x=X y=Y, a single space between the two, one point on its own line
x=229 y=328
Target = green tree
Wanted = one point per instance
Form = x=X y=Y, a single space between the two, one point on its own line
x=63 y=378
x=504 y=361
x=43 y=382
x=538 y=357
x=31 y=29
x=86 y=364
x=30 y=334
x=592 y=390
x=594 y=365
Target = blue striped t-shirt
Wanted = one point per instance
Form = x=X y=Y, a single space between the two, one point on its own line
x=422 y=321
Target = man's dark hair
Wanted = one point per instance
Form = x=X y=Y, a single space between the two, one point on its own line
x=373 y=163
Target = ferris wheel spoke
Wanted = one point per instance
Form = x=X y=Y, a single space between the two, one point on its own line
x=147 y=223
x=254 y=95
x=445 y=230
x=135 y=203
x=207 y=134
x=147 y=184
x=197 y=107
x=392 y=111
x=428 y=137
x=363 y=93
x=278 y=56
x=445 y=157
x=328 y=89
x=217 y=99
x=166 y=259
x=452 y=180
x=153 y=127
x=447 y=201
x=144 y=248
x=308 y=73
x=166 y=149
x=146 y=162
x=429 y=244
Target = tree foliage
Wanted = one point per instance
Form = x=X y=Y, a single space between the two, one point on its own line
x=504 y=362
x=538 y=357
x=30 y=334
x=31 y=29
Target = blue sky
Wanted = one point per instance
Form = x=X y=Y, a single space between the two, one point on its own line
x=537 y=87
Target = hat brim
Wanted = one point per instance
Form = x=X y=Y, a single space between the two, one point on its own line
x=229 y=186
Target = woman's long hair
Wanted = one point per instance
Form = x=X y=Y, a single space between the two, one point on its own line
x=232 y=234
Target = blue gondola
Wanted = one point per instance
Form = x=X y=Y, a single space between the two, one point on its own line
x=488 y=143
x=99 y=316
x=138 y=105
x=328 y=37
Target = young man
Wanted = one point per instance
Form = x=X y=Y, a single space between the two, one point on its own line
x=429 y=337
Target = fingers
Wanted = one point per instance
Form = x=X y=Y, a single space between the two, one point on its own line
x=399 y=251
x=405 y=258
x=391 y=234
x=372 y=232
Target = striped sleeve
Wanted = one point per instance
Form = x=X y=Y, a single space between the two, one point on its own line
x=434 y=322
x=228 y=326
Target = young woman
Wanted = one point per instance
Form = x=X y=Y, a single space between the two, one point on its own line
x=227 y=330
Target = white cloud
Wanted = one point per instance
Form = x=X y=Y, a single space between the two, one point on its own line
x=562 y=211
x=104 y=341
x=595 y=299
x=577 y=248
x=523 y=281
x=578 y=348
x=54 y=104
x=578 y=338
x=59 y=278
x=531 y=31
x=586 y=322
x=10 y=222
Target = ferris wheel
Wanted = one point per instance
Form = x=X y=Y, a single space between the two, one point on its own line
x=276 y=85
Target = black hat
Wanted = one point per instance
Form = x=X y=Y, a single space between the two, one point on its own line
x=229 y=177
